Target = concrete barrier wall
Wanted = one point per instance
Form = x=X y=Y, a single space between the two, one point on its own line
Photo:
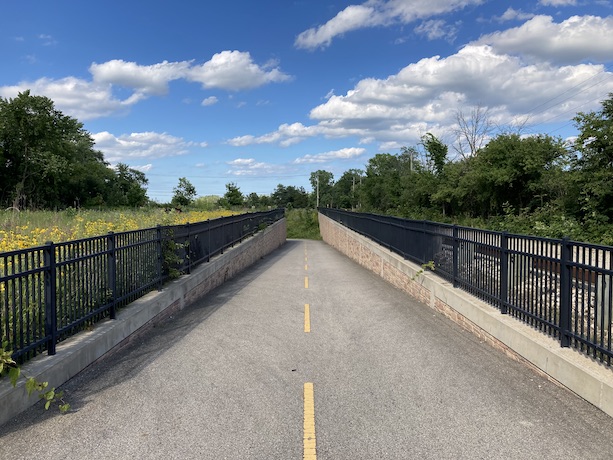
x=78 y=352
x=580 y=374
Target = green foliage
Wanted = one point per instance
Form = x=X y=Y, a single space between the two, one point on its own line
x=427 y=266
x=233 y=198
x=323 y=184
x=302 y=224
x=594 y=165
x=184 y=193
x=206 y=203
x=47 y=160
x=290 y=197
x=10 y=368
x=127 y=187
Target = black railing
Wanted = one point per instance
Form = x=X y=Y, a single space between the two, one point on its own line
x=49 y=293
x=561 y=287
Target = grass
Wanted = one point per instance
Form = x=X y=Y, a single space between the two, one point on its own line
x=302 y=224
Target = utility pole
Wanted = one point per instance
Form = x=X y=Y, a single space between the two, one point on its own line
x=353 y=193
x=317 y=190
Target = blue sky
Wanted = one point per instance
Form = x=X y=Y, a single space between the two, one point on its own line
x=264 y=92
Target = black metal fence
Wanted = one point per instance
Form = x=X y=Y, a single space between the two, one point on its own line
x=49 y=293
x=561 y=287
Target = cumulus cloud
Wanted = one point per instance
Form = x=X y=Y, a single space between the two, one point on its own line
x=145 y=79
x=342 y=154
x=577 y=39
x=138 y=146
x=88 y=99
x=235 y=70
x=211 y=100
x=430 y=90
x=76 y=97
x=376 y=13
x=425 y=96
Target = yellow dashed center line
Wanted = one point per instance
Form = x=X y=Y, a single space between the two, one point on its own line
x=307 y=318
x=306 y=282
x=310 y=448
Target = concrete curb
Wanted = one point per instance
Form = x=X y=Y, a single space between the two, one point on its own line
x=78 y=352
x=577 y=372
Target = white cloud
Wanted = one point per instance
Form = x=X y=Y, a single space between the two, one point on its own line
x=85 y=100
x=577 y=39
x=286 y=135
x=146 y=80
x=235 y=70
x=513 y=15
x=437 y=28
x=138 y=146
x=251 y=167
x=425 y=96
x=376 y=13
x=211 y=100
x=558 y=2
x=78 y=98
x=143 y=168
x=342 y=154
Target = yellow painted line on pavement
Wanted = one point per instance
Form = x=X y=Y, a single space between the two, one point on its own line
x=307 y=317
x=310 y=447
x=306 y=282
x=306 y=267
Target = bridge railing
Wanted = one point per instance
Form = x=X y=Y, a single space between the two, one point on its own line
x=561 y=287
x=51 y=292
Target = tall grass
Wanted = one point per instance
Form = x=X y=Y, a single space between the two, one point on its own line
x=302 y=224
x=25 y=229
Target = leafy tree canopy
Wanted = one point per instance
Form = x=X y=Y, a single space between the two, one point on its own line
x=48 y=160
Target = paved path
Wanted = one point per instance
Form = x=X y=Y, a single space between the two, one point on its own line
x=391 y=379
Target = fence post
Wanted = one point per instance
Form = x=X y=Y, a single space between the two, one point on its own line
x=50 y=296
x=422 y=240
x=455 y=256
x=160 y=255
x=504 y=273
x=565 y=292
x=187 y=249
x=111 y=272
x=208 y=248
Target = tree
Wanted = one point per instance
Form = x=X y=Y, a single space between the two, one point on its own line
x=383 y=185
x=233 y=196
x=436 y=152
x=184 y=193
x=46 y=156
x=594 y=165
x=322 y=183
x=472 y=131
x=347 y=189
x=127 y=187
x=290 y=197
x=514 y=172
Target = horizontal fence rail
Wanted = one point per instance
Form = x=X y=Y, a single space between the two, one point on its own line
x=51 y=292
x=561 y=287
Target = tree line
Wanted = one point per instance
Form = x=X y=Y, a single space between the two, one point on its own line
x=534 y=184
x=537 y=184
x=48 y=161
